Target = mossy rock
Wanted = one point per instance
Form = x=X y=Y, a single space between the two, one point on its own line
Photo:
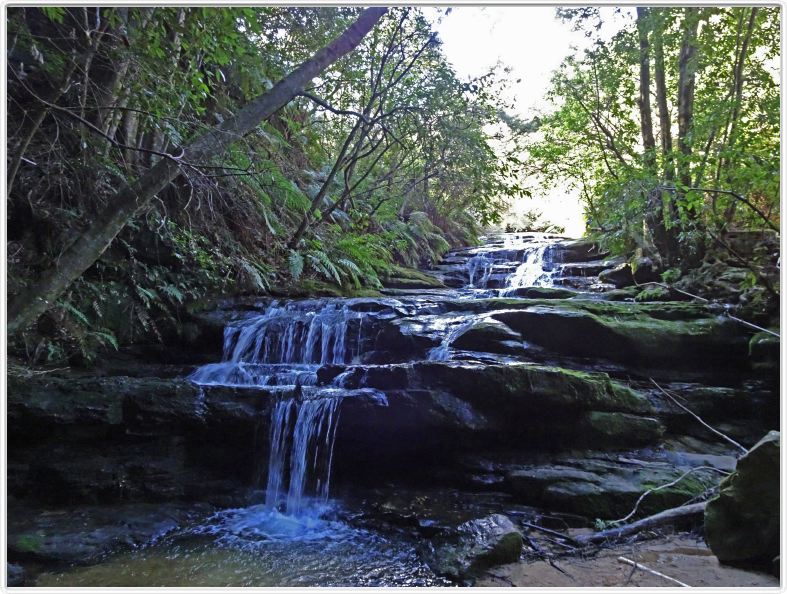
x=524 y=388
x=643 y=335
x=653 y=293
x=764 y=351
x=603 y=488
x=742 y=522
x=481 y=544
x=309 y=287
x=620 y=428
x=409 y=278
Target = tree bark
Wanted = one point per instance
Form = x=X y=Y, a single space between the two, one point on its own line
x=646 y=121
x=665 y=124
x=738 y=78
x=668 y=516
x=687 y=66
x=38 y=297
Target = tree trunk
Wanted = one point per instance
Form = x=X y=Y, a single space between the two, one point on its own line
x=687 y=65
x=736 y=106
x=32 y=302
x=657 y=228
x=665 y=124
x=646 y=121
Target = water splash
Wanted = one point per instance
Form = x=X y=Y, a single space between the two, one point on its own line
x=532 y=272
x=454 y=328
x=479 y=269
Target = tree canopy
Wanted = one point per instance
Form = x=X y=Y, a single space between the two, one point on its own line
x=670 y=129
x=387 y=157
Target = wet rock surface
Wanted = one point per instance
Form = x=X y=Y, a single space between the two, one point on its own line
x=67 y=536
x=742 y=522
x=480 y=544
x=529 y=383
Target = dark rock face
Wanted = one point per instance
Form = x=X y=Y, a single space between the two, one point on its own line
x=577 y=250
x=83 y=536
x=550 y=383
x=742 y=523
x=481 y=544
x=139 y=439
x=15 y=575
x=489 y=335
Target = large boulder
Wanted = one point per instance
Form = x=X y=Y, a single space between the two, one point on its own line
x=576 y=250
x=481 y=544
x=742 y=522
x=490 y=336
x=643 y=335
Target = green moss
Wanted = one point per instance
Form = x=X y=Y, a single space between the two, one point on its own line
x=309 y=287
x=29 y=543
x=653 y=294
x=401 y=277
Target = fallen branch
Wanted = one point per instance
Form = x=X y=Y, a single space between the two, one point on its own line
x=554 y=533
x=652 y=571
x=703 y=423
x=661 y=518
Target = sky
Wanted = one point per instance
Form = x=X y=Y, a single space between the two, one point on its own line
x=533 y=42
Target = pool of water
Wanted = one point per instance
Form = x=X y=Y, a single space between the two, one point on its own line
x=255 y=546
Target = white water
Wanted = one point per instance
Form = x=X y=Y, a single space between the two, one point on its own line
x=532 y=272
x=531 y=269
x=284 y=346
x=452 y=329
x=303 y=434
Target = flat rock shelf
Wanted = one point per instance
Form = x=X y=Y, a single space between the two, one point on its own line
x=411 y=439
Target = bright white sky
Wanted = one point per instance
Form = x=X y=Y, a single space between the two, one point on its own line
x=533 y=42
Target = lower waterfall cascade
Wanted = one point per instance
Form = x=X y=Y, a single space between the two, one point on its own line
x=357 y=441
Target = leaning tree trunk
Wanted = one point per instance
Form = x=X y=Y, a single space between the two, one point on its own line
x=37 y=298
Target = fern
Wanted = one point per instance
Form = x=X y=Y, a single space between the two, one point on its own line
x=104 y=336
x=295 y=262
x=322 y=264
x=75 y=312
x=352 y=270
x=173 y=292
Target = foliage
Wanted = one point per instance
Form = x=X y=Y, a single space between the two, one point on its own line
x=593 y=137
x=100 y=94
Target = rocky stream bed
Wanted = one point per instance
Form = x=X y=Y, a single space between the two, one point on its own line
x=407 y=439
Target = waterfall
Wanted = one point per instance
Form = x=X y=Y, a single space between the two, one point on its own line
x=302 y=437
x=479 y=266
x=283 y=346
x=530 y=273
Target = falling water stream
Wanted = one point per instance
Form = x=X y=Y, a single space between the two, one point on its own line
x=296 y=536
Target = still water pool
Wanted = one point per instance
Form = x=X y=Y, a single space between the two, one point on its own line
x=255 y=546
